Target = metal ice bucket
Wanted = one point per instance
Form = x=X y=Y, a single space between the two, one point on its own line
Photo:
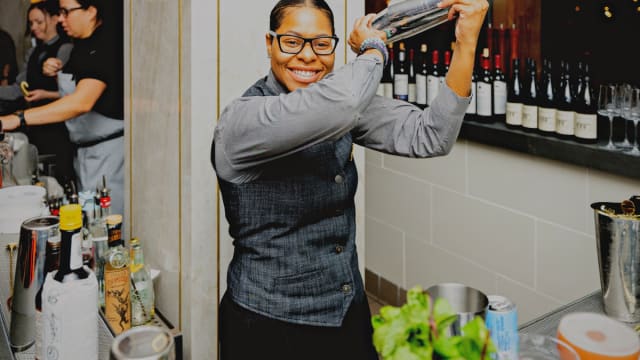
x=618 y=242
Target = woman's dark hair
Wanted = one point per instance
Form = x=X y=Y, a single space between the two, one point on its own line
x=48 y=7
x=98 y=4
x=8 y=56
x=279 y=11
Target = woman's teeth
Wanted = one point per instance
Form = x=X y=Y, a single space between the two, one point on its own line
x=304 y=74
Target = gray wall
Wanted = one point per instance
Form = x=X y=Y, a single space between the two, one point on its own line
x=13 y=20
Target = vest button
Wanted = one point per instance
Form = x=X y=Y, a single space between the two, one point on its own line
x=339 y=179
x=346 y=288
x=339 y=249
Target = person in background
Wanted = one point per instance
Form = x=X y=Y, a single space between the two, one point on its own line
x=94 y=108
x=42 y=21
x=8 y=68
x=283 y=157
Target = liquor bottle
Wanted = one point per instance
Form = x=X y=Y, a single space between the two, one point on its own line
x=51 y=263
x=547 y=105
x=471 y=112
x=445 y=67
x=412 y=77
x=514 y=96
x=566 y=116
x=586 y=130
x=485 y=84
x=433 y=78
x=387 y=75
x=401 y=76
x=421 y=78
x=499 y=90
x=117 y=279
x=142 y=299
x=530 y=98
x=99 y=236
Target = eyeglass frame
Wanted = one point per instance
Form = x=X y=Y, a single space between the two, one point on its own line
x=305 y=41
x=65 y=12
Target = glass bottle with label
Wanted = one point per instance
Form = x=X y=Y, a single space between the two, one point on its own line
x=586 y=130
x=387 y=75
x=514 y=96
x=484 y=91
x=530 y=98
x=117 y=278
x=566 y=116
x=142 y=298
x=433 y=78
x=401 y=75
x=499 y=90
x=547 y=105
x=421 y=78
x=412 y=77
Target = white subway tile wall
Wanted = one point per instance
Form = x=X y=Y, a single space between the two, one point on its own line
x=500 y=221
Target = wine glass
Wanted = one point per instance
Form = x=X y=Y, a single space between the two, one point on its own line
x=623 y=92
x=609 y=106
x=631 y=111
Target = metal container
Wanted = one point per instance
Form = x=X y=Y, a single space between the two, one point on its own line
x=29 y=275
x=144 y=343
x=502 y=323
x=618 y=245
x=465 y=301
x=406 y=18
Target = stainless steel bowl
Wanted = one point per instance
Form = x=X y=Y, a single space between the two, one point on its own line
x=466 y=302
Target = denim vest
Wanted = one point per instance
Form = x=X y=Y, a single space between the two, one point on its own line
x=294 y=234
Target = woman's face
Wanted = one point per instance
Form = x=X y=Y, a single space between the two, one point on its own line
x=304 y=68
x=78 y=23
x=42 y=25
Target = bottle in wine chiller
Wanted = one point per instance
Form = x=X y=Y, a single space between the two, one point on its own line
x=421 y=77
x=485 y=86
x=499 y=91
x=433 y=79
x=530 y=98
x=514 y=96
x=566 y=116
x=412 y=77
x=401 y=76
x=547 y=104
x=142 y=294
x=586 y=129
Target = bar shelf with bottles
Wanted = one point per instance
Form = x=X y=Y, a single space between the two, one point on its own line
x=546 y=108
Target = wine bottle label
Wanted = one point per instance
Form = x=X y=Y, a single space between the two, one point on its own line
x=433 y=85
x=499 y=97
x=380 y=90
x=412 y=92
x=565 y=122
x=514 y=113
x=530 y=116
x=401 y=86
x=75 y=262
x=484 y=99
x=421 y=89
x=117 y=298
x=472 y=108
x=388 y=90
x=547 y=119
x=586 y=126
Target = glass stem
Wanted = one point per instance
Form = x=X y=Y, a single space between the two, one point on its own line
x=610 y=130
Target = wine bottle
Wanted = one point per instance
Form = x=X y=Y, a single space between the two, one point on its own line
x=412 y=77
x=387 y=75
x=586 y=129
x=565 y=117
x=514 y=96
x=530 y=98
x=421 y=78
x=471 y=112
x=445 y=67
x=401 y=76
x=499 y=90
x=485 y=85
x=117 y=287
x=433 y=79
x=547 y=105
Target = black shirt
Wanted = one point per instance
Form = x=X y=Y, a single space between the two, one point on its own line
x=100 y=57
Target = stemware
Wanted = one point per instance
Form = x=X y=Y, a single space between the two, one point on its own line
x=623 y=91
x=631 y=111
x=609 y=106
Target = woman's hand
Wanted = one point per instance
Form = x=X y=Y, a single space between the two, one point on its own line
x=51 y=67
x=471 y=14
x=362 y=30
x=39 y=94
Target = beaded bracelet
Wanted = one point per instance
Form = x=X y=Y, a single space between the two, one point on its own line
x=375 y=43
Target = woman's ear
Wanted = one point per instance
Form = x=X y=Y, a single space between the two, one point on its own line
x=268 y=41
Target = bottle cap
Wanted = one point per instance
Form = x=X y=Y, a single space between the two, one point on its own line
x=114 y=219
x=70 y=217
x=134 y=241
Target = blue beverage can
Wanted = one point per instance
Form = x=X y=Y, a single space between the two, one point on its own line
x=502 y=322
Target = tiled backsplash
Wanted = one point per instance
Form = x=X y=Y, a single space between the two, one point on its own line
x=500 y=221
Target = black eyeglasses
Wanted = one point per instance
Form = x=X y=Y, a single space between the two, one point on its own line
x=65 y=12
x=293 y=44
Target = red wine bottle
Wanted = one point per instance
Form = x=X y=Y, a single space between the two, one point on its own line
x=530 y=98
x=566 y=116
x=484 y=91
x=421 y=77
x=586 y=129
x=547 y=105
x=401 y=76
x=514 y=96
x=499 y=90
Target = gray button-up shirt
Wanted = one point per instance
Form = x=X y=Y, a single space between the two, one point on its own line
x=255 y=130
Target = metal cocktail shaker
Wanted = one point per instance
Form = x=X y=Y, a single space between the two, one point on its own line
x=618 y=244
x=406 y=18
x=29 y=275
